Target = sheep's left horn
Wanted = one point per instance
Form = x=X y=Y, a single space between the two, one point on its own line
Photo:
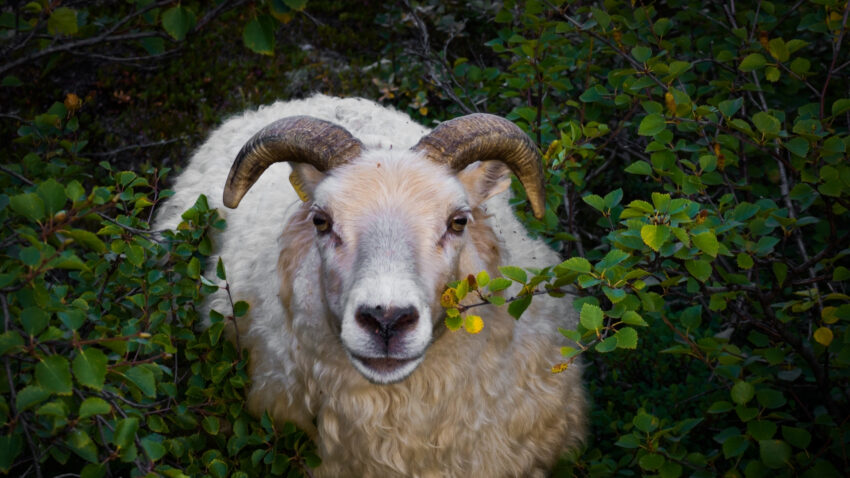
x=484 y=137
x=298 y=139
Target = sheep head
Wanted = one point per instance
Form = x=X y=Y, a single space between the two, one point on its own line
x=391 y=227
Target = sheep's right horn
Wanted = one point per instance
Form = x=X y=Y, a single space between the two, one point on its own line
x=298 y=139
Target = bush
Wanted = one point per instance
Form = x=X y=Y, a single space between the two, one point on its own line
x=722 y=243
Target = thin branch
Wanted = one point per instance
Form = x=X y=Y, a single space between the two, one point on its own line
x=16 y=175
x=137 y=146
x=836 y=47
x=12 y=394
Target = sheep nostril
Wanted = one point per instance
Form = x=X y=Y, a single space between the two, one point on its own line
x=404 y=319
x=386 y=321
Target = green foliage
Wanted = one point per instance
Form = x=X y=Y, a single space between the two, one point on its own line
x=107 y=368
x=709 y=287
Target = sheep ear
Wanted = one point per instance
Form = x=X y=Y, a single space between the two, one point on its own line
x=484 y=179
x=304 y=179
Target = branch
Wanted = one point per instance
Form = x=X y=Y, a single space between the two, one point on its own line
x=836 y=47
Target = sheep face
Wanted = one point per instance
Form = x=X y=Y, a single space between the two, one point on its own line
x=390 y=228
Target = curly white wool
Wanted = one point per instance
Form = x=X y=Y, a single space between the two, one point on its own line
x=478 y=405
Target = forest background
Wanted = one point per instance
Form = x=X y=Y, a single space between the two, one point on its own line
x=697 y=188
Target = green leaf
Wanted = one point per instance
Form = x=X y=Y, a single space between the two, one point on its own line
x=606 y=345
x=30 y=396
x=53 y=195
x=798 y=437
x=219 y=270
x=613 y=198
x=761 y=429
x=482 y=278
x=10 y=447
x=34 y=320
x=576 y=264
x=87 y=239
x=651 y=461
x=499 y=283
x=701 y=269
x=454 y=322
x=591 y=316
x=142 y=378
x=90 y=368
x=730 y=107
x=54 y=375
x=840 y=106
x=125 y=432
x=766 y=123
x=514 y=273
x=94 y=406
x=774 y=454
x=602 y=17
x=154 y=448
x=596 y=202
x=742 y=392
x=654 y=236
x=639 y=167
x=240 y=308
x=62 y=21
x=29 y=205
x=626 y=338
x=631 y=317
x=81 y=444
x=178 y=21
x=258 y=35
x=735 y=445
x=752 y=62
x=745 y=261
x=707 y=243
x=641 y=53
x=517 y=307
x=193 y=270
x=798 y=146
x=778 y=50
x=651 y=125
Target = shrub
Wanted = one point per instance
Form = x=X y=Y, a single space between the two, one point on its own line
x=696 y=157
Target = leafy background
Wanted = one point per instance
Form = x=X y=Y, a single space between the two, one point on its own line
x=697 y=187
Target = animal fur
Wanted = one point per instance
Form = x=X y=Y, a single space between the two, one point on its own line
x=477 y=405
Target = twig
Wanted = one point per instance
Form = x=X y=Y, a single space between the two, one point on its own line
x=836 y=47
x=12 y=173
x=12 y=394
x=152 y=235
x=428 y=55
x=137 y=146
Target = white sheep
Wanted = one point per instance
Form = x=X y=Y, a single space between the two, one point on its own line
x=346 y=334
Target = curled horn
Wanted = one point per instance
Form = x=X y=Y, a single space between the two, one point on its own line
x=484 y=137
x=298 y=139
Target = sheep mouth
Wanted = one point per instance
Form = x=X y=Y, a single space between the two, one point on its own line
x=385 y=370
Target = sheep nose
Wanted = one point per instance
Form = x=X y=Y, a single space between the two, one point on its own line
x=386 y=321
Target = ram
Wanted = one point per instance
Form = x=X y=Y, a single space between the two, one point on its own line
x=344 y=271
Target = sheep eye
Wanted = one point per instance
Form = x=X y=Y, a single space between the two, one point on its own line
x=458 y=223
x=321 y=222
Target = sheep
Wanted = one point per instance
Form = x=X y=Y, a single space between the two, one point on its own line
x=344 y=270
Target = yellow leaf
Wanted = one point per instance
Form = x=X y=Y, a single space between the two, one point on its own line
x=823 y=336
x=560 y=367
x=670 y=102
x=448 y=299
x=828 y=315
x=473 y=324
